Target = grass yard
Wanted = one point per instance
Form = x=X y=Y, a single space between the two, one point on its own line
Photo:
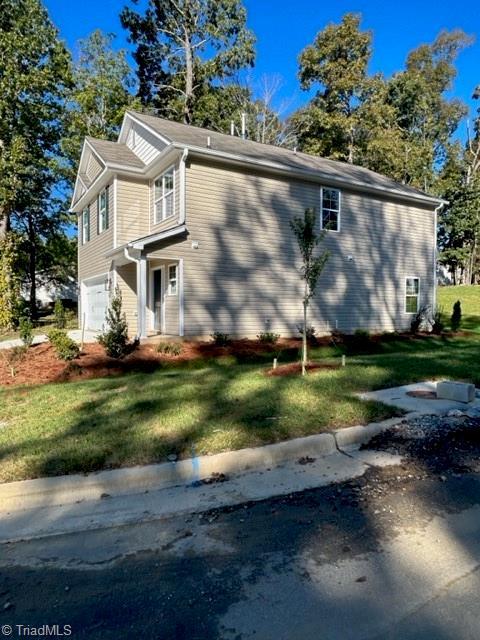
x=469 y=296
x=142 y=417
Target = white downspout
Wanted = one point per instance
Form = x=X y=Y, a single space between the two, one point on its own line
x=183 y=198
x=435 y=222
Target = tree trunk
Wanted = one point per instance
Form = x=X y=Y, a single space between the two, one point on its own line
x=304 y=339
x=187 y=109
x=32 y=267
x=4 y=224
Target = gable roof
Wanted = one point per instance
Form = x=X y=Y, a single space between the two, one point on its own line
x=188 y=135
x=115 y=153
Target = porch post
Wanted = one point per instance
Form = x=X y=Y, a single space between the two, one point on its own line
x=141 y=296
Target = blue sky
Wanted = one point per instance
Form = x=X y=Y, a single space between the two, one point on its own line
x=283 y=28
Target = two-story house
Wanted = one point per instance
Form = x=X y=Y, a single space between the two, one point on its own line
x=193 y=227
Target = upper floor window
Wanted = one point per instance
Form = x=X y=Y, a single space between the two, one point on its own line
x=164 y=196
x=412 y=291
x=330 y=209
x=103 y=210
x=85 y=225
x=172 y=280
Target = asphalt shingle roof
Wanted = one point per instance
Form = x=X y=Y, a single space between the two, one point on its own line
x=189 y=135
x=115 y=152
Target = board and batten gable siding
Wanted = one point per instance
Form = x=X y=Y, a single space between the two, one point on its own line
x=244 y=277
x=93 y=168
x=143 y=143
x=133 y=198
x=91 y=255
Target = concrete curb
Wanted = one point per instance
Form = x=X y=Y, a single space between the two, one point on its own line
x=61 y=490
x=66 y=489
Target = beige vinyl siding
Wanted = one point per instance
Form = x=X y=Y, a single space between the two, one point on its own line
x=127 y=282
x=169 y=222
x=91 y=255
x=244 y=277
x=132 y=209
x=94 y=167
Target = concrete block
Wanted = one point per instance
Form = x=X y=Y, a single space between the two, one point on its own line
x=456 y=391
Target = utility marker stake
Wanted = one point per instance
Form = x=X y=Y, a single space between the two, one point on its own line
x=274 y=363
x=343 y=360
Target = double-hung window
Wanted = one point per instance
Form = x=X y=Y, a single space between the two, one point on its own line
x=172 y=279
x=164 y=196
x=412 y=291
x=86 y=225
x=103 y=210
x=330 y=209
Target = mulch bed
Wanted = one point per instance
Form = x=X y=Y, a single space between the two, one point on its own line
x=41 y=365
x=294 y=368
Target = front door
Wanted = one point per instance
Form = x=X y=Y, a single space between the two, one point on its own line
x=157 y=299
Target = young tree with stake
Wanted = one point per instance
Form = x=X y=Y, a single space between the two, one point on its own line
x=308 y=239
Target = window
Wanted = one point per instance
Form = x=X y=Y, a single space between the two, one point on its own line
x=330 y=209
x=412 y=288
x=172 y=279
x=85 y=225
x=164 y=203
x=103 y=210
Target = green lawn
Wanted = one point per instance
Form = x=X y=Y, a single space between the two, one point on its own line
x=469 y=296
x=44 y=326
x=140 y=418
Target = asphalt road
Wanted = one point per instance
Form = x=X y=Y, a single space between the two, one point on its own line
x=394 y=554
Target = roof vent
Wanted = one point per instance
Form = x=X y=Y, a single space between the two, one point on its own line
x=209 y=143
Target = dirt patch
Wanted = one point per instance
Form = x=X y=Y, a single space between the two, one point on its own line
x=294 y=368
x=422 y=393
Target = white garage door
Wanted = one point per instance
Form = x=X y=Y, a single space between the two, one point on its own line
x=96 y=302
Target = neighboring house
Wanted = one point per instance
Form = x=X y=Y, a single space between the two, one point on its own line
x=193 y=227
x=48 y=293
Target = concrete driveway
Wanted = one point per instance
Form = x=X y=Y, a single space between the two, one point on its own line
x=75 y=334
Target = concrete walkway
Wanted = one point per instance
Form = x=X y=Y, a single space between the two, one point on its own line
x=399 y=397
x=75 y=334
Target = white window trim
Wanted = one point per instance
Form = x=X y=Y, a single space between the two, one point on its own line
x=169 y=290
x=337 y=230
x=411 y=313
x=171 y=169
x=101 y=228
x=84 y=226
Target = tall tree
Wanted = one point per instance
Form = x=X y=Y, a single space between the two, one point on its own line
x=425 y=115
x=459 y=229
x=184 y=47
x=34 y=76
x=336 y=64
x=103 y=83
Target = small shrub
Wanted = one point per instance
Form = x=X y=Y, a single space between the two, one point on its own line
x=220 y=339
x=268 y=337
x=456 y=319
x=115 y=339
x=311 y=337
x=25 y=329
x=65 y=347
x=438 y=324
x=418 y=320
x=60 y=315
x=169 y=348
